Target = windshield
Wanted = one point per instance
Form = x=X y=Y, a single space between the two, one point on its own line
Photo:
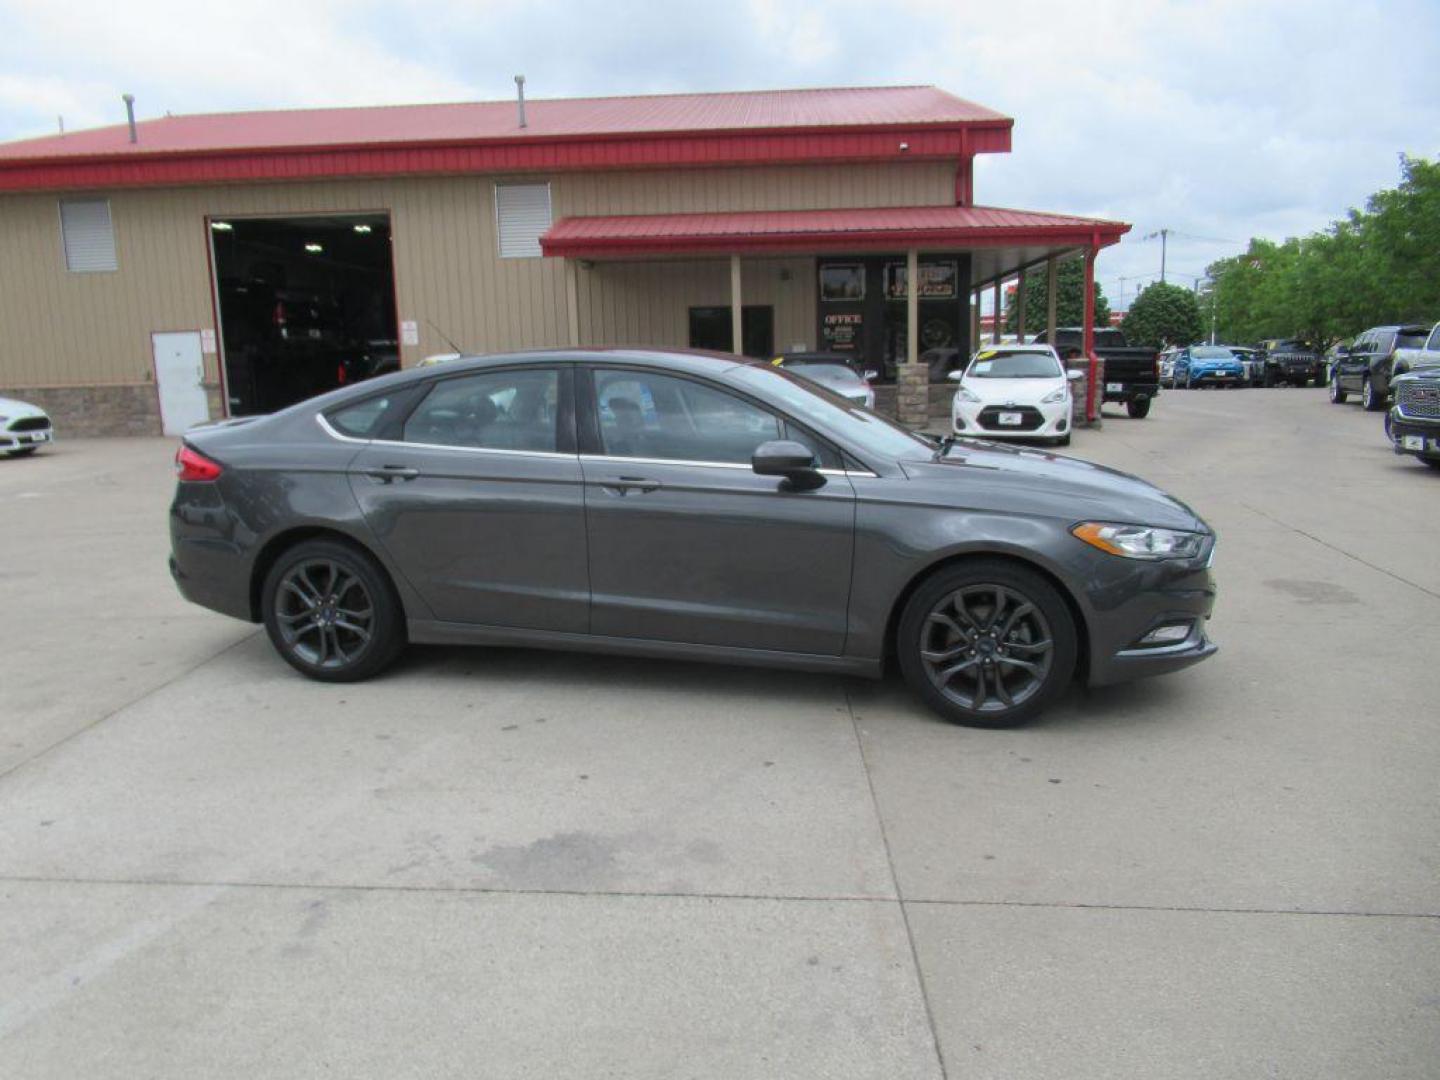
x=1212 y=352
x=829 y=372
x=810 y=401
x=993 y=364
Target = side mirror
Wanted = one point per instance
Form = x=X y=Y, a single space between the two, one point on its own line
x=792 y=460
x=1074 y=375
x=955 y=376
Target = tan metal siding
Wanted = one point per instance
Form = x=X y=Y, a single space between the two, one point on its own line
x=63 y=329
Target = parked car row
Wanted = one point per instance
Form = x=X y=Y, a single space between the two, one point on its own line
x=1395 y=368
x=1276 y=362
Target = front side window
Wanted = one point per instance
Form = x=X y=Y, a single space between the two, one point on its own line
x=645 y=414
x=491 y=410
x=1434 y=342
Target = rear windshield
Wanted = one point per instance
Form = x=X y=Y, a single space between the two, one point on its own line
x=998 y=364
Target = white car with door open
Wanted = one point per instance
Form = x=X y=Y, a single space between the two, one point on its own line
x=1013 y=392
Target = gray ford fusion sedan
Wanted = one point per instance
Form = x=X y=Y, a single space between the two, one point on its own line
x=689 y=505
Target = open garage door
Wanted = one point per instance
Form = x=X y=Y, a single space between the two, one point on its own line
x=307 y=303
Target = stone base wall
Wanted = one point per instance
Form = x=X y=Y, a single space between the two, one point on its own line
x=95 y=410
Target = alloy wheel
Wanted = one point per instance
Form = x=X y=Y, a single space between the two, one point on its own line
x=987 y=647
x=324 y=613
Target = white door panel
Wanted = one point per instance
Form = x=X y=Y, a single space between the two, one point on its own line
x=180 y=377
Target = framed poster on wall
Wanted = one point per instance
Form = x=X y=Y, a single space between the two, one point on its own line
x=938 y=280
x=842 y=282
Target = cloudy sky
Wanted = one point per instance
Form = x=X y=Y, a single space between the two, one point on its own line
x=1218 y=119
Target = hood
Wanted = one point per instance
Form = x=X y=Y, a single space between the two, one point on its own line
x=1019 y=391
x=986 y=476
x=1213 y=362
x=18 y=410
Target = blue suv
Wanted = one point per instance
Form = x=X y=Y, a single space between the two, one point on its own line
x=1200 y=364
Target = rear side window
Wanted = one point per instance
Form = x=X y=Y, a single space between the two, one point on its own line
x=1409 y=341
x=363 y=420
x=492 y=410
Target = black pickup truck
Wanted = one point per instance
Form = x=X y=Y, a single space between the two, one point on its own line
x=1132 y=372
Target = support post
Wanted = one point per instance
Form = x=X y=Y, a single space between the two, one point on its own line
x=1020 y=307
x=1094 y=395
x=999 y=322
x=974 y=320
x=737 y=326
x=572 y=303
x=1052 y=297
x=912 y=391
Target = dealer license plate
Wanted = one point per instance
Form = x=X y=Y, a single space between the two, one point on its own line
x=1414 y=442
x=40 y=437
x=1114 y=387
x=1011 y=419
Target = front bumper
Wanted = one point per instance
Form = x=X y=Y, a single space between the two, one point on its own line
x=1417 y=438
x=1053 y=420
x=1224 y=376
x=25 y=440
x=1172 y=595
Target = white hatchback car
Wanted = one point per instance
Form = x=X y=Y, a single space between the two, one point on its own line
x=24 y=428
x=1013 y=392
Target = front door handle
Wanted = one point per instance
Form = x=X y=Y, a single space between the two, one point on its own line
x=386 y=473
x=623 y=485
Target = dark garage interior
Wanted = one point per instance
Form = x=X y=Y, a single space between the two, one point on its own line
x=306 y=304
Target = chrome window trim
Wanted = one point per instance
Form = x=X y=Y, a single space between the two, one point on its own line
x=618 y=460
x=330 y=430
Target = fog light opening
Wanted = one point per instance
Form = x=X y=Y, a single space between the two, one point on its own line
x=1167 y=634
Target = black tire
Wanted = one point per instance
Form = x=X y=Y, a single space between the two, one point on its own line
x=1063 y=440
x=1370 y=401
x=304 y=603
x=1268 y=379
x=1337 y=393
x=1434 y=463
x=1138 y=410
x=1031 y=608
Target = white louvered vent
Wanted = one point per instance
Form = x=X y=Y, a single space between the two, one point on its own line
x=522 y=213
x=88 y=234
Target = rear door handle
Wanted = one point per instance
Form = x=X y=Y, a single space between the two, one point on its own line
x=624 y=484
x=386 y=473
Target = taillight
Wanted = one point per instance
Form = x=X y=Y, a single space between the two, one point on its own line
x=340 y=374
x=191 y=466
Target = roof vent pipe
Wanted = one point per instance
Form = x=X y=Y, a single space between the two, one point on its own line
x=520 y=97
x=130 y=116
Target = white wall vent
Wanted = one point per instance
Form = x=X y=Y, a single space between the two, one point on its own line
x=522 y=213
x=89 y=235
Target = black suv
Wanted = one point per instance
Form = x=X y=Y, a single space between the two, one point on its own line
x=1365 y=367
x=1291 y=361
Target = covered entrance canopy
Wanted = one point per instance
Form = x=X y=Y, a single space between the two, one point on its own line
x=998 y=244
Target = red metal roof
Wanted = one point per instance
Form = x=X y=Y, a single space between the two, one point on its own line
x=816 y=230
x=616 y=132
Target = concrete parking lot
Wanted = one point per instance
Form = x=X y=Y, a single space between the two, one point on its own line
x=511 y=863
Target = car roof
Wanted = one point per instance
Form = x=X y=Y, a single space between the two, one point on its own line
x=1047 y=350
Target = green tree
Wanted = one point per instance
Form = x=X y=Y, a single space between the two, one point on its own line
x=1163 y=314
x=1377 y=265
x=1069 y=299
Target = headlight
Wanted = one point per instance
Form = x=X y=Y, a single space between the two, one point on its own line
x=1140 y=541
x=966 y=394
x=1055 y=396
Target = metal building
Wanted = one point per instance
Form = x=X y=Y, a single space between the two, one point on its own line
x=190 y=267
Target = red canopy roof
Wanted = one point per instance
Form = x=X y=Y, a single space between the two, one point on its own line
x=677 y=129
x=890 y=228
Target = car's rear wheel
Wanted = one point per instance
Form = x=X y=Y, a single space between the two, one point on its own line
x=1337 y=392
x=1138 y=410
x=331 y=612
x=986 y=643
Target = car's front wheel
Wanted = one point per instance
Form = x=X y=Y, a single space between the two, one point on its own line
x=986 y=643
x=331 y=612
x=1370 y=399
x=1337 y=392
